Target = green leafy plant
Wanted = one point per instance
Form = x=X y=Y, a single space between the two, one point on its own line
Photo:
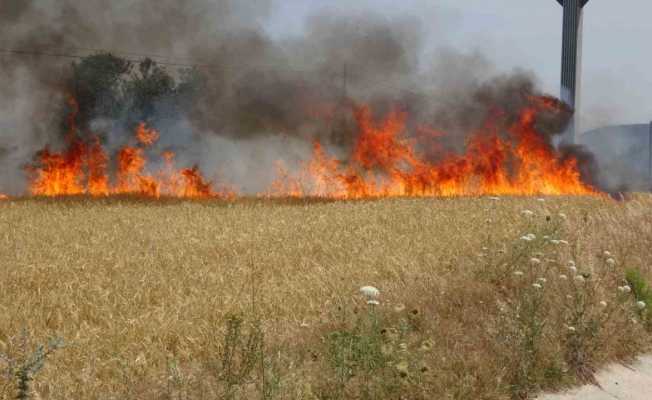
x=24 y=370
x=528 y=320
x=643 y=293
x=361 y=352
x=583 y=327
x=239 y=353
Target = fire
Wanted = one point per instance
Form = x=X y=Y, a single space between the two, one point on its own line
x=146 y=136
x=501 y=158
x=3 y=197
x=384 y=162
x=83 y=169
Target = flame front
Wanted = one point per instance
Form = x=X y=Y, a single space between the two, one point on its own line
x=83 y=169
x=383 y=162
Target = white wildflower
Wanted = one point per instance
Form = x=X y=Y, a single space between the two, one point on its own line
x=541 y=200
x=603 y=304
x=621 y=289
x=563 y=277
x=529 y=237
x=494 y=198
x=535 y=261
x=571 y=263
x=370 y=292
x=640 y=304
x=573 y=269
x=610 y=262
x=571 y=329
x=607 y=254
x=537 y=286
x=579 y=279
x=627 y=289
x=527 y=213
x=403 y=368
x=542 y=280
x=373 y=302
x=140 y=359
x=569 y=297
x=518 y=273
x=546 y=237
x=563 y=216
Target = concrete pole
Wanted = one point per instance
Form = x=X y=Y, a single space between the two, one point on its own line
x=571 y=62
x=650 y=156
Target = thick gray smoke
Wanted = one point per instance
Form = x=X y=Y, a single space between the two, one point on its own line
x=261 y=99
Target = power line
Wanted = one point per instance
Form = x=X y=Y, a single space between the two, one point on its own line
x=130 y=53
x=188 y=64
x=80 y=56
x=32 y=53
x=142 y=56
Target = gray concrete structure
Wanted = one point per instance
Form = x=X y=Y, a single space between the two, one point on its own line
x=571 y=61
x=624 y=155
x=650 y=155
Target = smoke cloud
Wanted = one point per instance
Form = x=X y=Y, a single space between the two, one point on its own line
x=261 y=98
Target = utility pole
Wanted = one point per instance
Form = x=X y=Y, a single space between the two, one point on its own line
x=571 y=62
x=345 y=79
x=650 y=156
x=338 y=123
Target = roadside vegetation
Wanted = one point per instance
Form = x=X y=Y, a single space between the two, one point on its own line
x=492 y=298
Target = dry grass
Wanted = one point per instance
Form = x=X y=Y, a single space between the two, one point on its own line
x=141 y=292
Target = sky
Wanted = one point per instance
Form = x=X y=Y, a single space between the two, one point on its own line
x=617 y=59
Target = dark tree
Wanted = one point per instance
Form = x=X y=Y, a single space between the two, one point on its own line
x=96 y=85
x=149 y=90
x=127 y=93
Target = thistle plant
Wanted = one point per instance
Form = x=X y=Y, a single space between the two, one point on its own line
x=24 y=371
x=239 y=354
x=369 y=356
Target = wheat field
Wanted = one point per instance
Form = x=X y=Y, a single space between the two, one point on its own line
x=479 y=297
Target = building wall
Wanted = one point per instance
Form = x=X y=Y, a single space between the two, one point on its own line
x=623 y=156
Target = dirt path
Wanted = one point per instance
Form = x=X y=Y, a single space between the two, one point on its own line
x=618 y=382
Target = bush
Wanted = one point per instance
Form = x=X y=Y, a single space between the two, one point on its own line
x=642 y=292
x=24 y=369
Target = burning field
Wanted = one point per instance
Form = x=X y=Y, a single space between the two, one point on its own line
x=195 y=217
x=504 y=157
x=350 y=109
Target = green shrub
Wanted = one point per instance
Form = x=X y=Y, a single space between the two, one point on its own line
x=25 y=369
x=239 y=353
x=642 y=292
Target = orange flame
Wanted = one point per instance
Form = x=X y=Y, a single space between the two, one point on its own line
x=385 y=163
x=82 y=169
x=146 y=136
